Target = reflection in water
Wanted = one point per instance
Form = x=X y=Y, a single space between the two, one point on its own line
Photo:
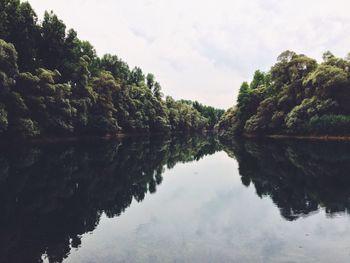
x=52 y=194
x=300 y=177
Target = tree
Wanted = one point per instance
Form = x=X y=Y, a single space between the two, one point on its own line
x=18 y=26
x=52 y=44
x=292 y=96
x=136 y=76
x=55 y=84
x=119 y=69
x=103 y=113
x=150 y=80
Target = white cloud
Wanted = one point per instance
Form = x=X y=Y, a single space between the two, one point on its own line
x=204 y=49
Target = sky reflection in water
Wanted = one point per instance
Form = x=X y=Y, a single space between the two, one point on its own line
x=151 y=201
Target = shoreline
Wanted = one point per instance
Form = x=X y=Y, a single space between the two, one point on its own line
x=300 y=137
x=76 y=138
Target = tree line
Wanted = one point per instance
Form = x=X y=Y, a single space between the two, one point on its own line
x=297 y=96
x=53 y=83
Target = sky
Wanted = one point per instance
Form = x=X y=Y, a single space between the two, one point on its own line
x=204 y=49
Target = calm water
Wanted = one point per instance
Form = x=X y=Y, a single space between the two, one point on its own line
x=188 y=199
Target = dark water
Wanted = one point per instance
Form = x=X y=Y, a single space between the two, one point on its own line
x=187 y=199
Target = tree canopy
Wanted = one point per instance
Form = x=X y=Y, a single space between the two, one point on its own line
x=297 y=96
x=53 y=83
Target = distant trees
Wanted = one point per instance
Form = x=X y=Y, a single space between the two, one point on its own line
x=297 y=96
x=53 y=83
x=212 y=114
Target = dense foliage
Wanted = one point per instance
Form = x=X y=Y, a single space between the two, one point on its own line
x=53 y=83
x=210 y=113
x=297 y=96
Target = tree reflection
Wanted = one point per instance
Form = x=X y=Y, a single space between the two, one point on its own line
x=52 y=194
x=300 y=177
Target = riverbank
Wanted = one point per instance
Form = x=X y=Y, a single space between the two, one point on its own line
x=88 y=138
x=301 y=137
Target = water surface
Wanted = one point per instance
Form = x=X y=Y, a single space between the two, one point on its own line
x=188 y=199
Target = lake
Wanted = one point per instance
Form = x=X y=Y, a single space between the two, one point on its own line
x=175 y=199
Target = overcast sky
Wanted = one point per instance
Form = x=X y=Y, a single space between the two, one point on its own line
x=202 y=50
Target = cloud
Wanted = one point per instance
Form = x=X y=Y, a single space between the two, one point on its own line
x=139 y=33
x=204 y=49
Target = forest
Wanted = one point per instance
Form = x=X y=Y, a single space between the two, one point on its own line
x=297 y=96
x=53 y=84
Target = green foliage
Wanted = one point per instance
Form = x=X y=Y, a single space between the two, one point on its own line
x=295 y=91
x=228 y=122
x=260 y=79
x=297 y=120
x=18 y=25
x=136 y=76
x=119 y=69
x=261 y=121
x=57 y=85
x=8 y=59
x=184 y=117
x=24 y=128
x=212 y=114
x=103 y=111
x=327 y=81
x=330 y=124
x=249 y=98
x=52 y=42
